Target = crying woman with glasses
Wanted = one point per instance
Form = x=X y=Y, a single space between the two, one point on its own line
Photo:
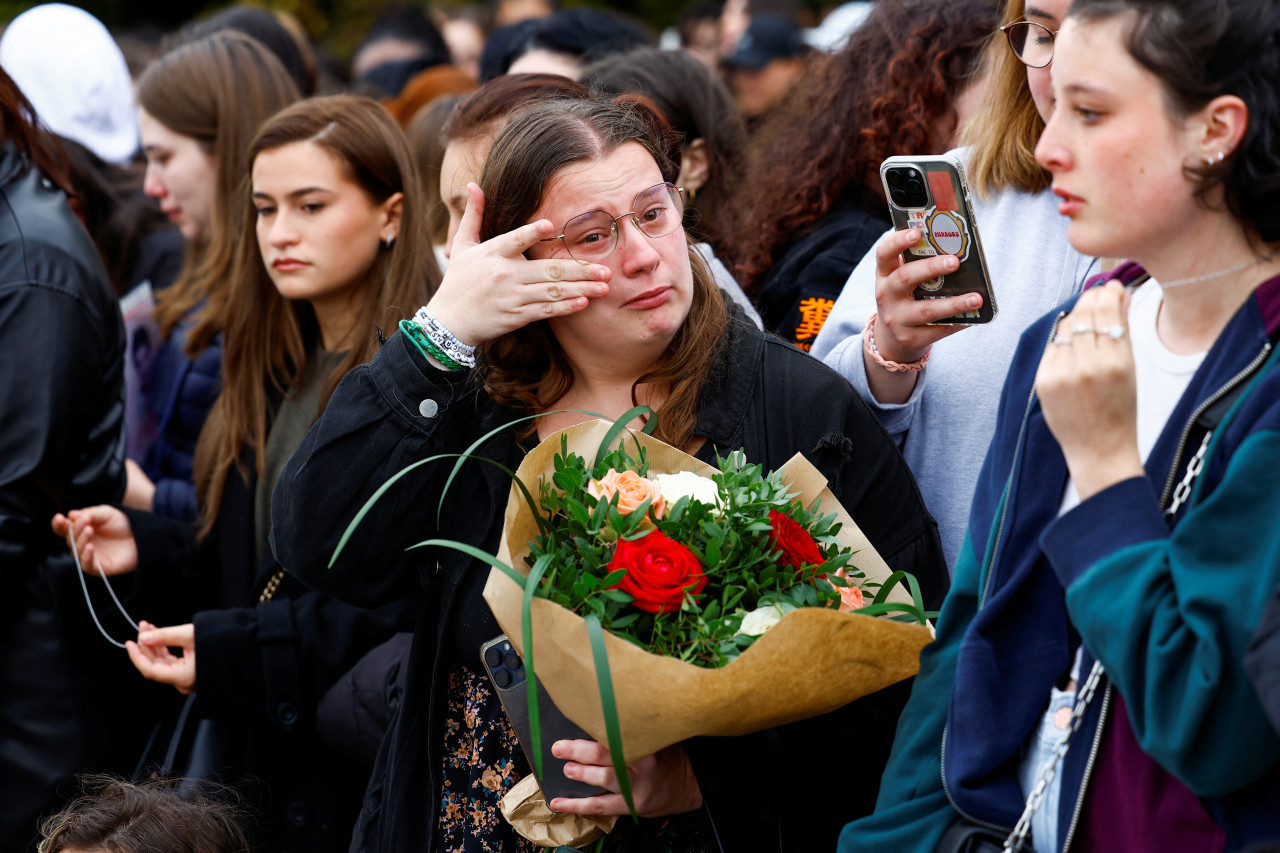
x=572 y=286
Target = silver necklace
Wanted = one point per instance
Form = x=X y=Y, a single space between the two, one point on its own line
x=1210 y=276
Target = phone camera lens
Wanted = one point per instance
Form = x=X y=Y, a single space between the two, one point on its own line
x=915 y=193
x=492 y=656
x=894 y=177
x=512 y=660
x=502 y=678
x=899 y=197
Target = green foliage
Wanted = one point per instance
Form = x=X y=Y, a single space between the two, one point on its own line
x=730 y=539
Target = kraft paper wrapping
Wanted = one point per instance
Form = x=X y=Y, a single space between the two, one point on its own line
x=812 y=662
x=525 y=808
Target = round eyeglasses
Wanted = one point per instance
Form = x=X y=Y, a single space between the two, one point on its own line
x=1032 y=43
x=593 y=236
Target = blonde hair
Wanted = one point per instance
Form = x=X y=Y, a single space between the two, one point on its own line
x=1004 y=132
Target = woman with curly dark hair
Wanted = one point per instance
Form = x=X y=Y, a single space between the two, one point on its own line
x=811 y=204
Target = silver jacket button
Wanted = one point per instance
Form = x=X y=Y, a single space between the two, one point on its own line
x=428 y=408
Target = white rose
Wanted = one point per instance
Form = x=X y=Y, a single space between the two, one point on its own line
x=762 y=619
x=688 y=484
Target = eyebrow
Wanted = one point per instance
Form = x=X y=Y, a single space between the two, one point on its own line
x=1033 y=12
x=1084 y=89
x=296 y=193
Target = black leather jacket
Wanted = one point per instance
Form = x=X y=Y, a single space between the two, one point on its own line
x=61 y=446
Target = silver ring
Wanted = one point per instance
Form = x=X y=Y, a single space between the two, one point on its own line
x=1116 y=332
x=1059 y=341
x=1084 y=330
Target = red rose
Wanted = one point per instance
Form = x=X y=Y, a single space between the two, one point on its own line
x=659 y=571
x=793 y=542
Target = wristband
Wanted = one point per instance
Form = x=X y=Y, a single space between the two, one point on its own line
x=426 y=346
x=869 y=345
x=456 y=350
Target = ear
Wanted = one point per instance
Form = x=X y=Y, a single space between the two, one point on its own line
x=1220 y=127
x=695 y=166
x=392 y=209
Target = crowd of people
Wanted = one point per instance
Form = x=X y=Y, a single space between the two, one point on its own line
x=242 y=285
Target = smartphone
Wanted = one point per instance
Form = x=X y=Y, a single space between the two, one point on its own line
x=931 y=194
x=506 y=671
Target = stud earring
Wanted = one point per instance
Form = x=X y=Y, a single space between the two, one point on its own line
x=388 y=241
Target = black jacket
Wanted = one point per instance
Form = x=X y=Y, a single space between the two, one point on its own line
x=767 y=398
x=61 y=446
x=802 y=287
x=265 y=665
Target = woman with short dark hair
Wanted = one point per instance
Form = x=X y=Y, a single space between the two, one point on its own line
x=1087 y=685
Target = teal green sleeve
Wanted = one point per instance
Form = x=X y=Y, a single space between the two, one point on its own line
x=912 y=811
x=1170 y=613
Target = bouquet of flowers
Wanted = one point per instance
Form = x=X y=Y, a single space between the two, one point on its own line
x=657 y=598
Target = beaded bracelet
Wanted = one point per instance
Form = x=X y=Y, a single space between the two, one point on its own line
x=459 y=352
x=869 y=344
x=429 y=350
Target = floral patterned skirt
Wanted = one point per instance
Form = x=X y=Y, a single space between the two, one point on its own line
x=483 y=760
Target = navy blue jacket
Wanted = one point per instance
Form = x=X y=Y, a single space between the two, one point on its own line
x=182 y=391
x=1167 y=605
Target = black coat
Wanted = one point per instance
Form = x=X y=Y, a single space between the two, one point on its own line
x=61 y=447
x=265 y=665
x=768 y=398
x=804 y=283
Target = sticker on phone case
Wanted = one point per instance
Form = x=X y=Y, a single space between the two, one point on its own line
x=919 y=220
x=943 y=190
x=948 y=233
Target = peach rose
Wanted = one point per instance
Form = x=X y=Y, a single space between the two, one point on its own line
x=851 y=597
x=631 y=489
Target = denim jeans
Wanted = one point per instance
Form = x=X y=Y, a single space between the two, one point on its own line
x=1040 y=746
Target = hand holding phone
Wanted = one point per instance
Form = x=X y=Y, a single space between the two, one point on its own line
x=930 y=197
x=506 y=671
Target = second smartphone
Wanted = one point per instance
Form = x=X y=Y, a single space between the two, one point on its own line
x=930 y=194
x=506 y=671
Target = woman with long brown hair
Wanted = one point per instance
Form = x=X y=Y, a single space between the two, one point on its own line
x=810 y=203
x=530 y=321
x=199 y=106
x=336 y=250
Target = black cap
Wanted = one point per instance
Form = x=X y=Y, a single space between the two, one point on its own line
x=771 y=36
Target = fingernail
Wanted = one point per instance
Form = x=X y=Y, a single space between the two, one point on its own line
x=146 y=636
x=973 y=301
x=952 y=262
x=600 y=273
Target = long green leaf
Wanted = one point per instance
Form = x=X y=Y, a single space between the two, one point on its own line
x=472 y=551
x=891 y=607
x=544 y=526
x=530 y=676
x=466 y=454
x=373 y=499
x=618 y=426
x=609 y=706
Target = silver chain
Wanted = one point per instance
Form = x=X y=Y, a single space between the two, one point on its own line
x=1022 y=829
x=1183 y=489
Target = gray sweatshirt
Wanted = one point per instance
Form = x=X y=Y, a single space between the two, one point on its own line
x=944 y=428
